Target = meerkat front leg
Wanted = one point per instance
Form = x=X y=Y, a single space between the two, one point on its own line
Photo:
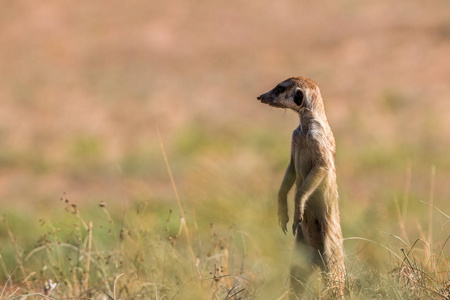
x=312 y=181
x=286 y=185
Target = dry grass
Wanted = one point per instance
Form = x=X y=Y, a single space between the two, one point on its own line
x=131 y=260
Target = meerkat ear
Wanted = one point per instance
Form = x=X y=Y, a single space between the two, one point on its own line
x=298 y=97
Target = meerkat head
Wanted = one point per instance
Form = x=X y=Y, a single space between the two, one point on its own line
x=296 y=93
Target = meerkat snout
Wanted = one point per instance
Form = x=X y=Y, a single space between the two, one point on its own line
x=265 y=98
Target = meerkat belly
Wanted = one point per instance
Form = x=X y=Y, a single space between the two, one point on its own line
x=303 y=162
x=314 y=216
x=312 y=225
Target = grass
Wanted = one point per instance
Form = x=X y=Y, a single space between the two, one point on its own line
x=207 y=248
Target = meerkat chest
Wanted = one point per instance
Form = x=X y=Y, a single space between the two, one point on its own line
x=302 y=153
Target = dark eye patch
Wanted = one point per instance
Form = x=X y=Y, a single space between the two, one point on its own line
x=279 y=89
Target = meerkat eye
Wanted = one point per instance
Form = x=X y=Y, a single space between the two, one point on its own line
x=298 y=97
x=279 y=89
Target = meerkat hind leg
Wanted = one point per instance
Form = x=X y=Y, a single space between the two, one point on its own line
x=305 y=261
x=333 y=256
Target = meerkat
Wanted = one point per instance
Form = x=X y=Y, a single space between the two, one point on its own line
x=316 y=222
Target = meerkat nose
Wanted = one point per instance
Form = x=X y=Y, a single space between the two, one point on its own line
x=259 y=98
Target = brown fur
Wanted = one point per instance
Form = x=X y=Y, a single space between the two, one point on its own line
x=316 y=221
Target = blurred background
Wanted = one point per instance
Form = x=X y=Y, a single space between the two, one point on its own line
x=85 y=85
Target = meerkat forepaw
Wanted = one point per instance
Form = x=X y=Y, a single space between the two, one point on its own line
x=283 y=224
x=296 y=224
x=283 y=217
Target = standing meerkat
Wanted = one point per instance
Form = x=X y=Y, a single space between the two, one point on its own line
x=316 y=221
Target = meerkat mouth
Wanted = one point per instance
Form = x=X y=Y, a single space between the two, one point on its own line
x=274 y=104
x=270 y=102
